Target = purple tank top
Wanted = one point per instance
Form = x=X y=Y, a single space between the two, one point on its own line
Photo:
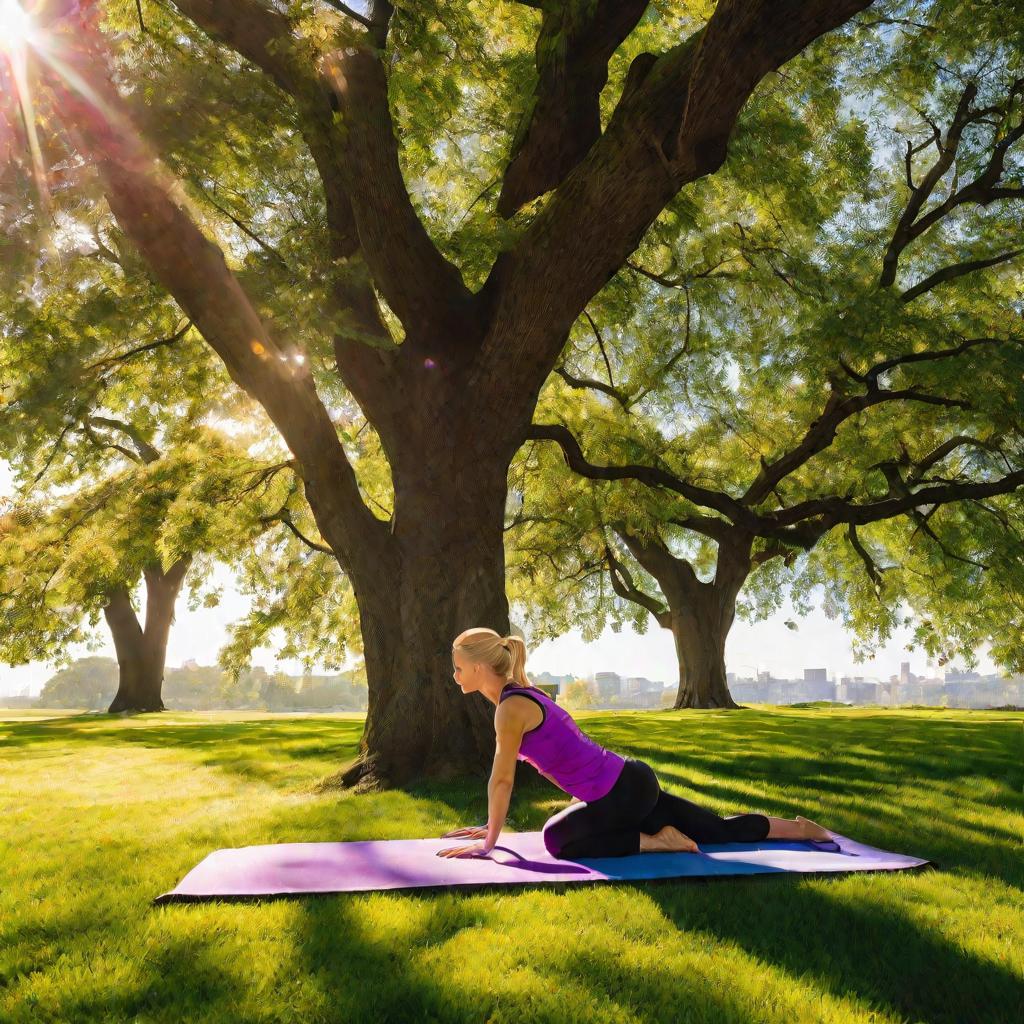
x=557 y=747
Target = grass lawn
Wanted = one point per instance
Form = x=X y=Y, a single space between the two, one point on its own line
x=100 y=815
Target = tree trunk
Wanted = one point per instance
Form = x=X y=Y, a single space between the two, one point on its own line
x=700 y=631
x=142 y=653
x=699 y=614
x=449 y=541
x=701 y=624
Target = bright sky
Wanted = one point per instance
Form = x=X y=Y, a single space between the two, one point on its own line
x=768 y=645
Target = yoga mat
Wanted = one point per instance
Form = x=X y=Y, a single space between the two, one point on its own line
x=519 y=858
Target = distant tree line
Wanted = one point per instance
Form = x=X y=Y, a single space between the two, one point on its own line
x=91 y=683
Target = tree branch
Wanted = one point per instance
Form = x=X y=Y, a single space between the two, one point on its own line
x=597 y=385
x=922 y=524
x=265 y=246
x=146 y=451
x=600 y=345
x=839 y=408
x=873 y=571
x=822 y=431
x=103 y=445
x=363 y=347
x=719 y=530
x=939 y=453
x=833 y=510
x=122 y=356
x=670 y=127
x=982 y=190
x=623 y=585
x=193 y=270
x=870 y=377
x=574 y=45
x=349 y=12
x=261 y=34
x=957 y=270
x=650 y=475
x=418 y=283
x=282 y=515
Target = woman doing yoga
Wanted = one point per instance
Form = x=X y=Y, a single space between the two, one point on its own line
x=619 y=806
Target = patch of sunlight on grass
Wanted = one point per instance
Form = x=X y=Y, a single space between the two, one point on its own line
x=977 y=915
x=36 y=714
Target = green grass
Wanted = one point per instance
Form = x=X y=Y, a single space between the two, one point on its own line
x=99 y=815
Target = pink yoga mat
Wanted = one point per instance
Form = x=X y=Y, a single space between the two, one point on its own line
x=519 y=858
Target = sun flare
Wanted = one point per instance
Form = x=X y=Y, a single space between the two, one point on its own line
x=15 y=26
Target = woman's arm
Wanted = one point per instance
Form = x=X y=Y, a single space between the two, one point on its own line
x=508 y=729
x=499 y=795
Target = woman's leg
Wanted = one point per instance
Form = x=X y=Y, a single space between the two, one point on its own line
x=797 y=828
x=703 y=825
x=606 y=827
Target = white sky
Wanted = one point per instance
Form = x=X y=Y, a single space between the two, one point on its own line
x=768 y=645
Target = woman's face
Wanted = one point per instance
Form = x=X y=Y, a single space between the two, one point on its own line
x=462 y=673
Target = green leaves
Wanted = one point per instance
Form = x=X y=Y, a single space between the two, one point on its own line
x=765 y=276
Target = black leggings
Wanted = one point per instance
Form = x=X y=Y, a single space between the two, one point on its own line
x=611 y=826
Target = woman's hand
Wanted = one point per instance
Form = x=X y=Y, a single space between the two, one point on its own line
x=470 y=832
x=476 y=850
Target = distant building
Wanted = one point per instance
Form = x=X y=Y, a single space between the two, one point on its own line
x=547 y=679
x=640 y=692
x=858 y=690
x=756 y=691
x=639 y=684
x=609 y=684
x=962 y=677
x=959 y=689
x=819 y=687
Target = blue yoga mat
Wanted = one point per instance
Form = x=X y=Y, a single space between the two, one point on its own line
x=519 y=858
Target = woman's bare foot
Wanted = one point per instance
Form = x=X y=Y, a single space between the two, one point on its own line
x=667 y=840
x=813 y=831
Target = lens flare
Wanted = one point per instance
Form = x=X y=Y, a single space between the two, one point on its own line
x=15 y=26
x=17 y=36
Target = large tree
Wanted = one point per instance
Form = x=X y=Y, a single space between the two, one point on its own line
x=591 y=116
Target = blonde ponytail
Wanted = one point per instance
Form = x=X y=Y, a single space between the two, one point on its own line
x=503 y=655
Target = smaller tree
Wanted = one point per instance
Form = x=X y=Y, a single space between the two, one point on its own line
x=65 y=563
x=579 y=695
x=89 y=683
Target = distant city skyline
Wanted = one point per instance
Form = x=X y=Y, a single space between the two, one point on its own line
x=818 y=642
x=751 y=648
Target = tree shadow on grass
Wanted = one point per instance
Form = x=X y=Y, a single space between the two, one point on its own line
x=256 y=749
x=370 y=964
x=991 y=749
x=178 y=981
x=863 y=950
x=347 y=959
